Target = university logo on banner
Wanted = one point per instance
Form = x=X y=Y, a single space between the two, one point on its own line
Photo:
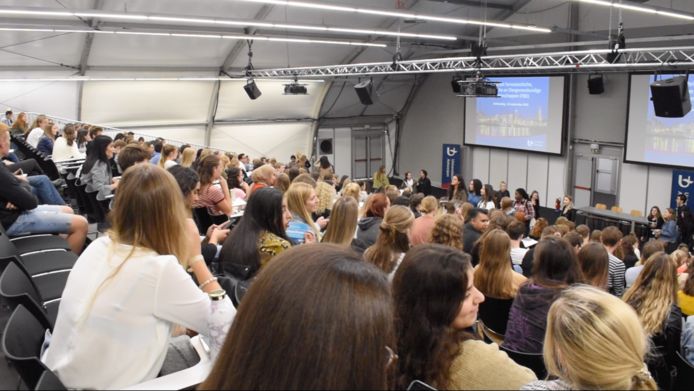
x=451 y=162
x=682 y=183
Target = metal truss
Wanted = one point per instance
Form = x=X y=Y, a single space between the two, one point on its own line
x=638 y=59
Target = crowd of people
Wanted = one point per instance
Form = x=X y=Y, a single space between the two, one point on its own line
x=345 y=288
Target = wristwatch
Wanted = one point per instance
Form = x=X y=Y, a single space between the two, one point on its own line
x=218 y=294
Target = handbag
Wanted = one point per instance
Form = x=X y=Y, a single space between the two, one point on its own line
x=236 y=279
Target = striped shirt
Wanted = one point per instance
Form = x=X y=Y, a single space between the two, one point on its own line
x=615 y=276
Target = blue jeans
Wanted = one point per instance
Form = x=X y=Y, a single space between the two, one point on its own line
x=44 y=219
x=44 y=190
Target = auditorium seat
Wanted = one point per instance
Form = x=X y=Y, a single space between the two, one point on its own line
x=18 y=289
x=600 y=206
x=616 y=209
x=534 y=361
x=21 y=344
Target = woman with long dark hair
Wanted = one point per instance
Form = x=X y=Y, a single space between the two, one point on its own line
x=474 y=191
x=435 y=305
x=524 y=208
x=261 y=233
x=96 y=171
x=317 y=317
x=457 y=191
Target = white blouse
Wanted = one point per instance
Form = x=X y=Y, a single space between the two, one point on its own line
x=62 y=151
x=116 y=334
x=34 y=136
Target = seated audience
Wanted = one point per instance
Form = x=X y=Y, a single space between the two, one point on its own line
x=158 y=145
x=528 y=258
x=236 y=184
x=343 y=225
x=20 y=126
x=457 y=191
x=37 y=130
x=393 y=241
x=516 y=230
x=434 y=345
x=96 y=171
x=584 y=231
x=423 y=184
x=494 y=276
x=136 y=269
x=263 y=176
x=567 y=208
x=593 y=342
x=540 y=224
x=574 y=239
x=688 y=340
x=353 y=190
x=506 y=206
x=654 y=297
x=65 y=148
x=415 y=201
x=131 y=155
x=594 y=262
x=47 y=140
x=326 y=195
x=486 y=198
x=187 y=156
x=649 y=249
x=596 y=236
x=261 y=234
x=189 y=183
x=21 y=213
x=554 y=269
x=611 y=237
x=685 y=296
x=214 y=194
x=302 y=202
x=474 y=191
x=341 y=336
x=478 y=221
x=424 y=224
x=670 y=232
x=448 y=230
x=655 y=221
x=374 y=210
x=380 y=179
x=169 y=154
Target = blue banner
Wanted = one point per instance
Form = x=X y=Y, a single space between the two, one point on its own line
x=682 y=183
x=450 y=166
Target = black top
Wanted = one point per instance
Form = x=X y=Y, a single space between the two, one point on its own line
x=424 y=186
x=527 y=263
x=470 y=236
x=663 y=357
x=15 y=192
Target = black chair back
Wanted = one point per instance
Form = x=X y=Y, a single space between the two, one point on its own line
x=49 y=381
x=685 y=374
x=21 y=344
x=18 y=289
x=494 y=313
x=533 y=361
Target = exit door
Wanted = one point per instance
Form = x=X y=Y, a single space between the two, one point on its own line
x=368 y=153
x=595 y=181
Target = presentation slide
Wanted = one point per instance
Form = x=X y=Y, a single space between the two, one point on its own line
x=528 y=115
x=657 y=140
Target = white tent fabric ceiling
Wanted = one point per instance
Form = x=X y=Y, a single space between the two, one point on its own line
x=30 y=54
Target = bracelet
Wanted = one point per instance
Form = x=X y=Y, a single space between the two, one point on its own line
x=209 y=281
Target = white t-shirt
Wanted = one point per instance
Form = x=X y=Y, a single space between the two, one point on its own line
x=34 y=136
x=123 y=339
x=170 y=163
x=62 y=151
x=517 y=255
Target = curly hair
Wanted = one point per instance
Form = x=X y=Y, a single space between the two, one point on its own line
x=448 y=231
x=654 y=292
x=428 y=289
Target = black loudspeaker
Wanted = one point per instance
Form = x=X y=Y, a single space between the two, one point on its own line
x=595 y=85
x=671 y=97
x=252 y=90
x=363 y=90
x=325 y=146
x=455 y=85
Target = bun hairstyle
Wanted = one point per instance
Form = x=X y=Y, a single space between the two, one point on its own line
x=596 y=341
x=392 y=238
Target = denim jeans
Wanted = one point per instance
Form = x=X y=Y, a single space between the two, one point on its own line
x=44 y=190
x=41 y=220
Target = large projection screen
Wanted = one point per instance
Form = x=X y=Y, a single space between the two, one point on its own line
x=528 y=115
x=655 y=140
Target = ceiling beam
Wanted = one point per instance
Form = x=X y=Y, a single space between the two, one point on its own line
x=239 y=45
x=477 y=3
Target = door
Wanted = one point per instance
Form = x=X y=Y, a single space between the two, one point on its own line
x=595 y=180
x=368 y=153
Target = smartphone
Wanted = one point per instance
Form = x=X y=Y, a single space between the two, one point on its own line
x=225 y=225
x=418 y=385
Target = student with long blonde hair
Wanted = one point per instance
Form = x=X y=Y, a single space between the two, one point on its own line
x=392 y=242
x=494 y=276
x=169 y=154
x=129 y=288
x=448 y=230
x=594 y=342
x=343 y=222
x=188 y=157
x=302 y=202
x=654 y=297
x=326 y=194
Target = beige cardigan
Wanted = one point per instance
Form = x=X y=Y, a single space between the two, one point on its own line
x=483 y=366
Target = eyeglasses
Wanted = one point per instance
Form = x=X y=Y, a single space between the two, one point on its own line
x=392 y=357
